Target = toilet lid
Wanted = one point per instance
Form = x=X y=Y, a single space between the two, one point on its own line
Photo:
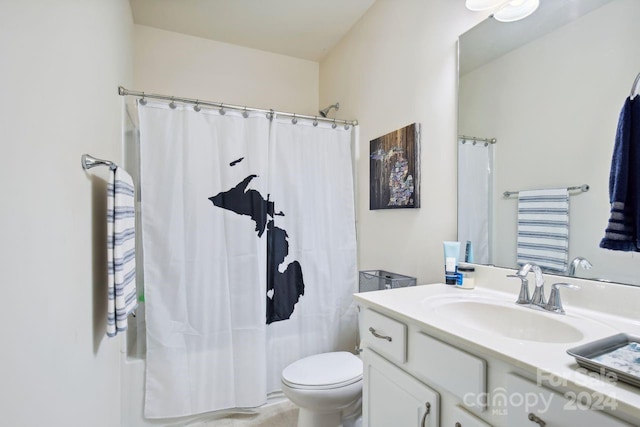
x=326 y=370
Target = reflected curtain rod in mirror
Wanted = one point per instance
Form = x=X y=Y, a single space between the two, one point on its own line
x=550 y=88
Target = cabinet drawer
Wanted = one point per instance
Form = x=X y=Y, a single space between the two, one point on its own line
x=529 y=403
x=458 y=372
x=384 y=334
x=462 y=418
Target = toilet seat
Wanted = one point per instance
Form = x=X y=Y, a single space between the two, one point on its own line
x=323 y=371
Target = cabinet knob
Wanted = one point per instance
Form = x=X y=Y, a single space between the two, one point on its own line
x=377 y=335
x=426 y=412
x=536 y=419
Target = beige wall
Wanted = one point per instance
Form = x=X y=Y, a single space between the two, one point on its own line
x=176 y=64
x=61 y=64
x=397 y=66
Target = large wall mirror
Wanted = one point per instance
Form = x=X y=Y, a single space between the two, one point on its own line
x=541 y=99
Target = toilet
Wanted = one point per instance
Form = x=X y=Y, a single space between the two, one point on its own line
x=326 y=387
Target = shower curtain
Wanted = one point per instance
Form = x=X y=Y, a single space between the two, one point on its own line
x=474 y=196
x=249 y=253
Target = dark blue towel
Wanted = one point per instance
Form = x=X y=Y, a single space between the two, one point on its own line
x=623 y=230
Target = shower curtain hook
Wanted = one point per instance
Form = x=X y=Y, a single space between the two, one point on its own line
x=294 y=120
x=244 y=113
x=142 y=101
x=221 y=110
x=196 y=107
x=172 y=104
x=346 y=126
x=270 y=114
x=334 y=125
x=315 y=121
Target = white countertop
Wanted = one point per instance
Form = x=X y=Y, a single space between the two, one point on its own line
x=414 y=305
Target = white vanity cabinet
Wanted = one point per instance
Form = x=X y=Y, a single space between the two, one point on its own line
x=530 y=405
x=462 y=418
x=412 y=378
x=400 y=378
x=391 y=397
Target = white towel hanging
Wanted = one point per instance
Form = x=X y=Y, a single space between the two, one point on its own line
x=121 y=263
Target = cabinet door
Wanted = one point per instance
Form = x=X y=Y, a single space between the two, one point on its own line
x=530 y=405
x=391 y=397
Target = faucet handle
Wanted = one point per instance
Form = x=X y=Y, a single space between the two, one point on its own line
x=523 y=297
x=555 y=304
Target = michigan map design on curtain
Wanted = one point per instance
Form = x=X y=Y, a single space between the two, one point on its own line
x=283 y=289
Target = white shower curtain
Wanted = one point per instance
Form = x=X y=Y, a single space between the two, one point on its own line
x=474 y=199
x=224 y=313
x=310 y=171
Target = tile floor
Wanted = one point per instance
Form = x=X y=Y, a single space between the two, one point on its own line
x=282 y=414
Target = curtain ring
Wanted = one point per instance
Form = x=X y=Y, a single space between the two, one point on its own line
x=244 y=113
x=221 y=110
x=270 y=115
x=346 y=126
x=142 y=101
x=197 y=107
x=334 y=125
x=294 y=120
x=172 y=104
x=315 y=121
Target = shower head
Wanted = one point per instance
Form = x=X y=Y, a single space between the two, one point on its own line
x=325 y=111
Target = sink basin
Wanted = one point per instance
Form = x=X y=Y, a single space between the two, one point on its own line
x=507 y=320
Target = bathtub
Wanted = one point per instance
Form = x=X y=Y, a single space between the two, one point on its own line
x=278 y=408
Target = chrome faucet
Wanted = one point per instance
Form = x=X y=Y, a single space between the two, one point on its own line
x=523 y=296
x=537 y=300
x=538 y=294
x=578 y=261
x=555 y=304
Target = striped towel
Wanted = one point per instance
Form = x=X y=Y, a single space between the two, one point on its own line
x=121 y=251
x=543 y=228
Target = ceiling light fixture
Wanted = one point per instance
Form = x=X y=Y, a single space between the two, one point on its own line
x=516 y=10
x=507 y=11
x=479 y=5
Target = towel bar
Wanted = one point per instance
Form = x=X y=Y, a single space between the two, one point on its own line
x=583 y=188
x=88 y=162
x=634 y=87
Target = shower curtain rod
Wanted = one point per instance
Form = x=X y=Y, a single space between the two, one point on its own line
x=197 y=102
x=477 y=139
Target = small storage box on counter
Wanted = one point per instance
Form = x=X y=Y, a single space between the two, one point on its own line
x=377 y=280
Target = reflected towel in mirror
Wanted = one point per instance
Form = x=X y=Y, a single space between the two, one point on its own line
x=543 y=228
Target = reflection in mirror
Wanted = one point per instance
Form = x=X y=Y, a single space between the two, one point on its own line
x=549 y=89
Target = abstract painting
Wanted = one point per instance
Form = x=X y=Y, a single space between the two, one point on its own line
x=394 y=169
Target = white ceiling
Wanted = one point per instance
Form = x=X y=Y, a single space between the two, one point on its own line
x=306 y=29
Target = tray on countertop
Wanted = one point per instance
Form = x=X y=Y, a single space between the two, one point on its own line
x=618 y=355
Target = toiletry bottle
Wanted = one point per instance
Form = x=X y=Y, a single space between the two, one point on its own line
x=468 y=252
x=467 y=273
x=450 y=271
x=451 y=256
